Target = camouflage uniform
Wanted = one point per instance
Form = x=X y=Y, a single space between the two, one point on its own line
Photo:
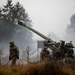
x=60 y=50
x=69 y=47
x=14 y=53
x=45 y=54
x=56 y=53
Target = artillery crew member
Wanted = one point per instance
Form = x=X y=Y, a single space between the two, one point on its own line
x=45 y=54
x=14 y=53
x=56 y=53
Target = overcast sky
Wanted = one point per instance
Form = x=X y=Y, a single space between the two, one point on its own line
x=48 y=15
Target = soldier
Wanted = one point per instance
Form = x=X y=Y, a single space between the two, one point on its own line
x=45 y=54
x=14 y=53
x=56 y=53
x=70 y=51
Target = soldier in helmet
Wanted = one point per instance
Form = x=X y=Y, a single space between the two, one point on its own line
x=45 y=54
x=14 y=53
x=56 y=53
x=70 y=47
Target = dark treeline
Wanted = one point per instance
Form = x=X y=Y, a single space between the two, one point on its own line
x=10 y=30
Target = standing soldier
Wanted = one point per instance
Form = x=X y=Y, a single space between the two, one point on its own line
x=56 y=53
x=45 y=54
x=14 y=53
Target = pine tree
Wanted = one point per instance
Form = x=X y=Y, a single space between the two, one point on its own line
x=70 y=30
x=9 y=29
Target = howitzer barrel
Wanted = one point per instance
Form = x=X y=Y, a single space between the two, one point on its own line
x=43 y=36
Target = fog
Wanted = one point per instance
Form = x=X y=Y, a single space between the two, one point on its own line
x=50 y=18
x=10 y=30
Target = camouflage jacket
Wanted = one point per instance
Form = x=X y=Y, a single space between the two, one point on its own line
x=14 y=52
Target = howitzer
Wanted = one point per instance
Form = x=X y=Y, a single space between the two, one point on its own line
x=48 y=41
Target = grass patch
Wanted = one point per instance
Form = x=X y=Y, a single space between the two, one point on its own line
x=43 y=68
